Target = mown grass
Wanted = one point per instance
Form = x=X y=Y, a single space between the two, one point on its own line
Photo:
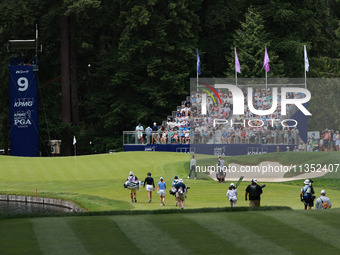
x=96 y=182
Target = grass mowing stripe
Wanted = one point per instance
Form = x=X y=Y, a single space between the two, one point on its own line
x=17 y=237
x=282 y=234
x=101 y=235
x=328 y=217
x=193 y=236
x=55 y=236
x=234 y=233
x=301 y=221
x=149 y=238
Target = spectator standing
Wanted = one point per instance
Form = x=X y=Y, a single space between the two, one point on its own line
x=232 y=195
x=148 y=132
x=161 y=190
x=154 y=133
x=323 y=202
x=139 y=132
x=254 y=190
x=150 y=185
x=220 y=170
x=337 y=141
x=192 y=167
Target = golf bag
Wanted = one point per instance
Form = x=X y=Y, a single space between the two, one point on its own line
x=172 y=191
x=131 y=185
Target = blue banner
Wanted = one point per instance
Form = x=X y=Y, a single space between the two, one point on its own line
x=23 y=111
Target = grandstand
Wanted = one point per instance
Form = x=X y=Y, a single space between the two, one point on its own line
x=221 y=132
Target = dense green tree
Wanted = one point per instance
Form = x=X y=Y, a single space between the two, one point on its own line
x=250 y=41
x=130 y=61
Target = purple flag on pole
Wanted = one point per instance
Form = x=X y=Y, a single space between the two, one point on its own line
x=266 y=60
x=237 y=63
x=198 y=63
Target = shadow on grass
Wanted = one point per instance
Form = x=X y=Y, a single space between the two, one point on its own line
x=149 y=212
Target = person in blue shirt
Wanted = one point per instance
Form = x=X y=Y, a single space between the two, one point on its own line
x=148 y=132
x=161 y=190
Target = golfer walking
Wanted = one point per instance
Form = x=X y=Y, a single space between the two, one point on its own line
x=161 y=190
x=150 y=185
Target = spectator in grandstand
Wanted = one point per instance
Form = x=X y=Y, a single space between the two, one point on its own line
x=148 y=132
x=133 y=194
x=180 y=193
x=295 y=148
x=316 y=146
x=302 y=146
x=277 y=148
x=323 y=202
x=163 y=137
x=192 y=167
x=150 y=185
x=161 y=190
x=287 y=148
x=171 y=135
x=295 y=136
x=232 y=195
x=139 y=133
x=224 y=136
x=254 y=190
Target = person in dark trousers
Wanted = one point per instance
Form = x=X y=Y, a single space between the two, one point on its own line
x=254 y=190
x=150 y=185
x=307 y=194
x=192 y=167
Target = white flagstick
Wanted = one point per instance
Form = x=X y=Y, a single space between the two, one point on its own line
x=75 y=151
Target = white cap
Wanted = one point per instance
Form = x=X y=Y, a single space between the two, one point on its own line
x=131 y=173
x=180 y=180
x=154 y=123
x=161 y=178
x=323 y=192
x=254 y=180
x=232 y=184
x=306 y=181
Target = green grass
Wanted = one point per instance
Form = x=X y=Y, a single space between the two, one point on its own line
x=207 y=226
x=96 y=182
x=247 y=232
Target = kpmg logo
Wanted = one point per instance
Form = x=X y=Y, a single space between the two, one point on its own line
x=22 y=71
x=23 y=102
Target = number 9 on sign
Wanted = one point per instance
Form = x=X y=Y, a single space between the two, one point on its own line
x=23 y=84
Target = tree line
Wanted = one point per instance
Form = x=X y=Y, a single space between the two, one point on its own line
x=107 y=65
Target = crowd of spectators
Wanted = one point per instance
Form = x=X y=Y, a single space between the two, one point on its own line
x=188 y=125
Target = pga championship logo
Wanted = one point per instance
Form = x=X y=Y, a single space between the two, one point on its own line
x=238 y=105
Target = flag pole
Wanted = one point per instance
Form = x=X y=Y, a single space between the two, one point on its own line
x=266 y=80
x=305 y=57
x=236 y=76
x=75 y=155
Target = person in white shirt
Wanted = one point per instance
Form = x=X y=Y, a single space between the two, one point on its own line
x=323 y=202
x=232 y=195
